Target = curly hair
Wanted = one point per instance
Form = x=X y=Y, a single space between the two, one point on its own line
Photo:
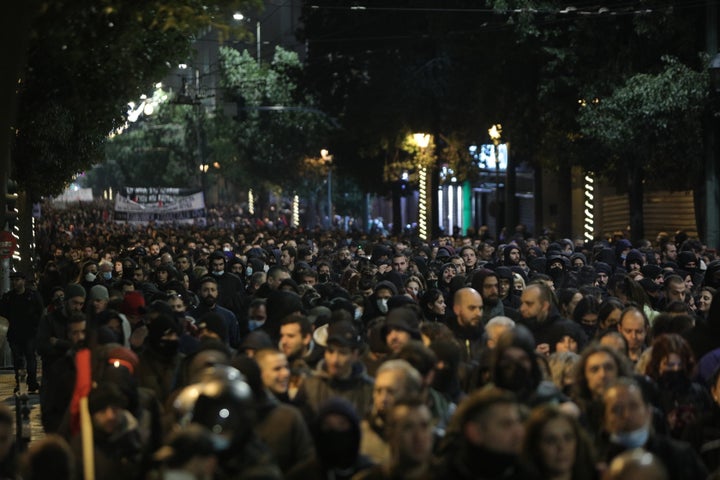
x=662 y=347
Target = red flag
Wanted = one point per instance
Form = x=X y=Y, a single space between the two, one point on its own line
x=83 y=384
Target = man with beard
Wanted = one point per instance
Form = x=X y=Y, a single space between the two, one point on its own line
x=52 y=337
x=208 y=293
x=410 y=438
x=288 y=255
x=511 y=256
x=401 y=325
x=467 y=323
x=394 y=379
x=485 y=436
x=539 y=314
x=627 y=425
x=487 y=283
x=229 y=286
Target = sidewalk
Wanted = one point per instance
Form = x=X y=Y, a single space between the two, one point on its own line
x=7 y=384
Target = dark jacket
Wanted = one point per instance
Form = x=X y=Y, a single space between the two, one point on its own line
x=23 y=311
x=53 y=325
x=283 y=429
x=678 y=457
x=357 y=389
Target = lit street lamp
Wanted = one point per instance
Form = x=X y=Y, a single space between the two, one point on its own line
x=495 y=133
x=422 y=140
x=327 y=159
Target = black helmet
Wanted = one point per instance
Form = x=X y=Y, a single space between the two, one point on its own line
x=222 y=402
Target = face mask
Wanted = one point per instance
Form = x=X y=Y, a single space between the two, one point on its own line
x=358 y=314
x=255 y=324
x=323 y=278
x=248 y=271
x=512 y=376
x=675 y=380
x=444 y=379
x=90 y=277
x=382 y=305
x=220 y=442
x=266 y=267
x=168 y=348
x=107 y=275
x=635 y=439
x=218 y=273
x=337 y=449
x=227 y=249
x=590 y=330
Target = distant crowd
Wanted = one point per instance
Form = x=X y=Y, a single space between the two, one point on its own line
x=246 y=349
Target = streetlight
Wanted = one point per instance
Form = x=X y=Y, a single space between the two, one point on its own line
x=495 y=133
x=327 y=159
x=422 y=140
x=239 y=17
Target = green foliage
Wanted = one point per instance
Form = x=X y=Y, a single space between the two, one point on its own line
x=653 y=121
x=277 y=123
x=87 y=59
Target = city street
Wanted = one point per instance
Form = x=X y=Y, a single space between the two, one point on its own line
x=7 y=383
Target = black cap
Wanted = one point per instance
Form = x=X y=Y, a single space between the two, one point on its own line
x=343 y=333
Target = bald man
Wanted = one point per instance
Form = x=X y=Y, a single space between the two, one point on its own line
x=467 y=324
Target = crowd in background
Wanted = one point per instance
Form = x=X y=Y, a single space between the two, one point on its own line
x=246 y=349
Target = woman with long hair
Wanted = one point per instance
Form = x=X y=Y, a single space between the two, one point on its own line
x=433 y=305
x=556 y=447
x=704 y=300
x=671 y=365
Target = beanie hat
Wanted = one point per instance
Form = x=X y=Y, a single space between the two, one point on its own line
x=404 y=319
x=133 y=303
x=387 y=285
x=397 y=301
x=99 y=292
x=650 y=271
x=122 y=356
x=74 y=290
x=634 y=256
x=602 y=267
x=686 y=257
x=162 y=325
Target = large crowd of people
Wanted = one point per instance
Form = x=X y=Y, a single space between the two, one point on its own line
x=243 y=349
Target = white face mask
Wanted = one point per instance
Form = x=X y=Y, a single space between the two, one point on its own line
x=90 y=277
x=358 y=313
x=382 y=305
x=634 y=439
x=266 y=267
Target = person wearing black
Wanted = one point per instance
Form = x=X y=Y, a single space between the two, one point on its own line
x=484 y=438
x=23 y=307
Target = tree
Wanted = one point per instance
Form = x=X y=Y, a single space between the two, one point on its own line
x=651 y=130
x=85 y=62
x=277 y=124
